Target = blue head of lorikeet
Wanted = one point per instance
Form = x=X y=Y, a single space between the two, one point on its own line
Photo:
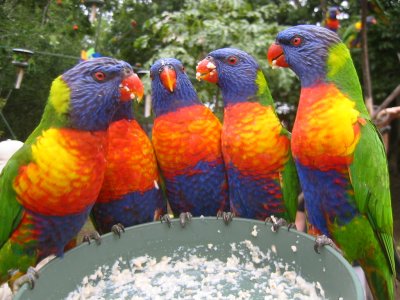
x=305 y=49
x=171 y=87
x=92 y=92
x=234 y=70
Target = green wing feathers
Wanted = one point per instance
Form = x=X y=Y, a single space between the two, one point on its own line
x=10 y=209
x=290 y=185
x=370 y=178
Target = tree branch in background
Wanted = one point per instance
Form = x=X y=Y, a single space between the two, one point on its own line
x=369 y=102
x=323 y=10
x=393 y=95
x=44 y=15
x=383 y=116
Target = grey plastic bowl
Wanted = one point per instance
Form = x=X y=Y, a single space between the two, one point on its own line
x=63 y=275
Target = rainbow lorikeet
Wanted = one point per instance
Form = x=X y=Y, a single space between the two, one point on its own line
x=339 y=153
x=352 y=35
x=130 y=193
x=331 y=21
x=187 y=141
x=49 y=185
x=256 y=148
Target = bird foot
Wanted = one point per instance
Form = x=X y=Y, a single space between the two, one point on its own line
x=227 y=217
x=323 y=240
x=93 y=235
x=118 y=229
x=167 y=219
x=277 y=223
x=18 y=279
x=185 y=218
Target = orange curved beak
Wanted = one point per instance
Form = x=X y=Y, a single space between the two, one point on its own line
x=168 y=78
x=276 y=57
x=206 y=70
x=131 y=88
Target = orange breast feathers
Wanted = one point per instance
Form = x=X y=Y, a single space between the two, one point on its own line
x=131 y=162
x=327 y=128
x=183 y=138
x=252 y=139
x=65 y=174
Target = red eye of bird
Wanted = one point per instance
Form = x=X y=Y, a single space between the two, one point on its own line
x=183 y=69
x=100 y=76
x=296 y=41
x=232 y=60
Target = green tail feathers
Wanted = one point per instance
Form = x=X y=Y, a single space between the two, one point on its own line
x=380 y=281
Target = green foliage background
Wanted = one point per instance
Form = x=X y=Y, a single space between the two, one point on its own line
x=141 y=31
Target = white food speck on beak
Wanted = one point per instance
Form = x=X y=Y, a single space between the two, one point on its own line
x=198 y=76
x=210 y=65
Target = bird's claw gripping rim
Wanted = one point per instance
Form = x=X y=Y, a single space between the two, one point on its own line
x=277 y=223
x=227 y=217
x=94 y=235
x=118 y=229
x=323 y=240
x=29 y=277
x=167 y=219
x=185 y=218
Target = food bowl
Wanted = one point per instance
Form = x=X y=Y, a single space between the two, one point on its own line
x=209 y=238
